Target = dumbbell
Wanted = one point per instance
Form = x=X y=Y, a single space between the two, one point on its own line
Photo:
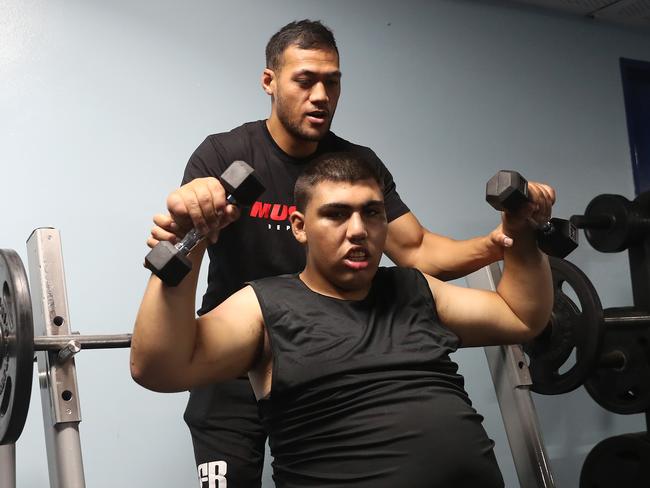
x=508 y=190
x=169 y=262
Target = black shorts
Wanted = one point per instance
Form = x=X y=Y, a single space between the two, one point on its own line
x=227 y=435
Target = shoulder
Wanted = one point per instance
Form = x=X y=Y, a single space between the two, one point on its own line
x=273 y=284
x=239 y=135
x=332 y=142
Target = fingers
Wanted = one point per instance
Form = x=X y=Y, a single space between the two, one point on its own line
x=198 y=204
x=500 y=240
x=542 y=198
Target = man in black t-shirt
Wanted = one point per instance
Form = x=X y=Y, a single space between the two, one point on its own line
x=302 y=77
x=349 y=365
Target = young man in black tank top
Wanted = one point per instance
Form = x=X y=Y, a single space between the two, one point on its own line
x=349 y=363
x=303 y=79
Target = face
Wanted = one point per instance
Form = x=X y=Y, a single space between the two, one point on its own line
x=344 y=227
x=305 y=90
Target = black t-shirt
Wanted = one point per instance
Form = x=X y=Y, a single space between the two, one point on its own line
x=260 y=243
x=364 y=393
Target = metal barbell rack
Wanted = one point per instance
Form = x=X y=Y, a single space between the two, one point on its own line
x=55 y=349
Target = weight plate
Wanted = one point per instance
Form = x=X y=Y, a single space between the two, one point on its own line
x=573 y=327
x=624 y=390
x=616 y=237
x=16 y=346
x=622 y=461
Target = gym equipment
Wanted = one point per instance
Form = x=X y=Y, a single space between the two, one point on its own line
x=17 y=346
x=612 y=346
x=621 y=383
x=619 y=461
x=41 y=308
x=508 y=190
x=512 y=383
x=573 y=327
x=612 y=223
x=169 y=262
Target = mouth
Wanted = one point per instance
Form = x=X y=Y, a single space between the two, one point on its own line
x=357 y=258
x=318 y=116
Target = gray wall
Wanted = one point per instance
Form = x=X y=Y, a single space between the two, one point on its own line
x=101 y=103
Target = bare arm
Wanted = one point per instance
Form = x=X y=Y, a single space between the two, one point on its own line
x=172 y=350
x=521 y=306
x=411 y=245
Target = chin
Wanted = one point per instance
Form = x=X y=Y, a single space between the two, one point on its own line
x=356 y=280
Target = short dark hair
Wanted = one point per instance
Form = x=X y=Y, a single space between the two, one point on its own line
x=349 y=167
x=306 y=34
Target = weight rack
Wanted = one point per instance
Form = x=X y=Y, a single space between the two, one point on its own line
x=55 y=346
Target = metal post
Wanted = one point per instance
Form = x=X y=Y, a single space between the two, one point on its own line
x=58 y=380
x=512 y=382
x=8 y=466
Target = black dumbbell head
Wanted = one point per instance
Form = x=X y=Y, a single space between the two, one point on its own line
x=506 y=190
x=241 y=184
x=167 y=263
x=559 y=239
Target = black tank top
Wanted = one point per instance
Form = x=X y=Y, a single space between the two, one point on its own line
x=364 y=393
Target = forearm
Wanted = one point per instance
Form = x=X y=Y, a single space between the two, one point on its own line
x=165 y=331
x=450 y=259
x=411 y=245
x=526 y=284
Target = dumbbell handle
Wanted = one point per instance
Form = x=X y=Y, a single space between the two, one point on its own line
x=193 y=237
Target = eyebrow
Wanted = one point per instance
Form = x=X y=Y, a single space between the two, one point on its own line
x=345 y=206
x=331 y=74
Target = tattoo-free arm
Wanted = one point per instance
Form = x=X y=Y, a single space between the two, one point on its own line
x=411 y=245
x=172 y=350
x=515 y=313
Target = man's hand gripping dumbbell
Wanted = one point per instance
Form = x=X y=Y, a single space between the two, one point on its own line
x=508 y=191
x=168 y=260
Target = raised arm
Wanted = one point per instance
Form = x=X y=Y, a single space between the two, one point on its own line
x=522 y=304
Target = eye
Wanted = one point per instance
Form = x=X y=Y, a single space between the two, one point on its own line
x=335 y=214
x=374 y=212
x=304 y=82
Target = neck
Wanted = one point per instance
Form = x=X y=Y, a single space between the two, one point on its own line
x=318 y=283
x=294 y=147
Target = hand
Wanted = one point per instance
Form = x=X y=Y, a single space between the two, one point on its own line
x=534 y=213
x=164 y=229
x=201 y=204
x=496 y=241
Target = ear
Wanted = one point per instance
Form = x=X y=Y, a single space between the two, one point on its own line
x=297 y=220
x=268 y=81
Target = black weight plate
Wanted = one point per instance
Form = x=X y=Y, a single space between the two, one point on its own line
x=614 y=238
x=571 y=327
x=624 y=390
x=622 y=461
x=16 y=346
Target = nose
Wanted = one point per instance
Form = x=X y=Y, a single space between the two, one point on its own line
x=357 y=230
x=318 y=93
